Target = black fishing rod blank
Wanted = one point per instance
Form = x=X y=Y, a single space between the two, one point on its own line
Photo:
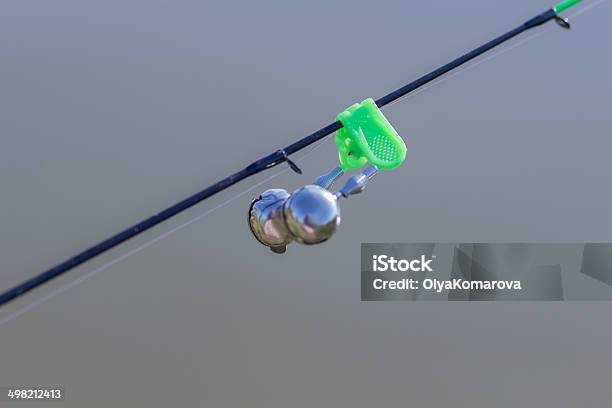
x=274 y=159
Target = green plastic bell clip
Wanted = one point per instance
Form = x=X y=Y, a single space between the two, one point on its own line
x=368 y=137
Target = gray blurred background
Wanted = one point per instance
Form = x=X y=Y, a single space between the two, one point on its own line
x=111 y=111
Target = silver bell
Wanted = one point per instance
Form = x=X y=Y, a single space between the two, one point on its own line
x=311 y=214
x=266 y=220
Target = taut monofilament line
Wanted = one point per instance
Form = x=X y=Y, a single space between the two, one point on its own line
x=372 y=152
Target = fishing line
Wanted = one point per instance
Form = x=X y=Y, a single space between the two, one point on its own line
x=278 y=157
x=586 y=8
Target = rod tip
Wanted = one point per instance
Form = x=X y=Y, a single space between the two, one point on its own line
x=564 y=5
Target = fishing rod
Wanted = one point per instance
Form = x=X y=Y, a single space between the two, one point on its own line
x=309 y=215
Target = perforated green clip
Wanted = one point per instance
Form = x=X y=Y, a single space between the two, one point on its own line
x=368 y=137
